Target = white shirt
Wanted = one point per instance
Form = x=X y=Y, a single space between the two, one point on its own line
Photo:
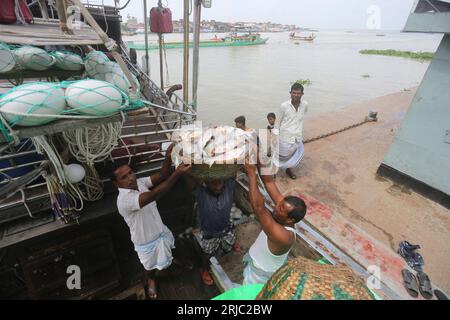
x=145 y=223
x=291 y=121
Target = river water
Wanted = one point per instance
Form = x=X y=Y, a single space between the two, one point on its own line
x=254 y=80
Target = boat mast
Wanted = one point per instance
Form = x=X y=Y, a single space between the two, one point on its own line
x=147 y=66
x=186 y=53
x=195 y=59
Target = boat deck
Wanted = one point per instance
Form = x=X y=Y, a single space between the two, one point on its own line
x=365 y=214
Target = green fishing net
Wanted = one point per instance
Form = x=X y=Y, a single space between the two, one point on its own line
x=39 y=103
x=66 y=60
x=7 y=61
x=33 y=58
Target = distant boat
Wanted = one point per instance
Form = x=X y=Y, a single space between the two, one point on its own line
x=232 y=40
x=293 y=36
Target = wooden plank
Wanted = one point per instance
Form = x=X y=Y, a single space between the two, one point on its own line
x=29 y=74
x=47 y=33
x=93 y=210
x=60 y=126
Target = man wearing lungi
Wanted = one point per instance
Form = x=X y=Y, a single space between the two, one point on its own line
x=292 y=112
x=136 y=202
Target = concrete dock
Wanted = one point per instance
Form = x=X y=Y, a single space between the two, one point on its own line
x=367 y=216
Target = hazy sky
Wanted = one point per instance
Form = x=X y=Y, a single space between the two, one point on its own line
x=324 y=14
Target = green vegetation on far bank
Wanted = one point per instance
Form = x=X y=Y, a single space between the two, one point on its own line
x=404 y=54
x=303 y=82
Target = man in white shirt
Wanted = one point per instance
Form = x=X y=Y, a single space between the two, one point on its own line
x=291 y=149
x=152 y=240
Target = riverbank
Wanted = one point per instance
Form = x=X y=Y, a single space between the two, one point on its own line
x=354 y=207
x=402 y=54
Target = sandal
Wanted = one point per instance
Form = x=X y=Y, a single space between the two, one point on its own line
x=440 y=295
x=425 y=285
x=410 y=283
x=206 y=277
x=413 y=258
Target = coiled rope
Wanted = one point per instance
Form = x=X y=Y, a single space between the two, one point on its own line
x=93 y=144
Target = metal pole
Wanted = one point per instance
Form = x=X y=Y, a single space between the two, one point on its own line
x=161 y=66
x=186 y=53
x=195 y=59
x=147 y=66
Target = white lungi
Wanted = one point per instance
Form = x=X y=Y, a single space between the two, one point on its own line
x=288 y=155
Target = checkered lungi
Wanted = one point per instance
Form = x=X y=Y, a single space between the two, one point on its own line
x=219 y=245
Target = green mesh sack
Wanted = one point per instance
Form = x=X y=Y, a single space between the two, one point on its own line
x=94 y=97
x=33 y=58
x=94 y=64
x=66 y=60
x=32 y=104
x=112 y=73
x=304 y=279
x=7 y=61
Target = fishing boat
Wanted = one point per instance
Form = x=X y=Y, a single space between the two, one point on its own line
x=232 y=40
x=293 y=36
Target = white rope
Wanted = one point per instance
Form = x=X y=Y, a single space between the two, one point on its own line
x=94 y=144
x=19 y=14
x=89 y=189
x=43 y=147
x=11 y=132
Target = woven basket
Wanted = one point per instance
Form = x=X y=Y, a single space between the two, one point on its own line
x=216 y=171
x=303 y=279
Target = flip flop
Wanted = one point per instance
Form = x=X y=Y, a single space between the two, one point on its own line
x=414 y=259
x=440 y=295
x=206 y=277
x=410 y=283
x=425 y=285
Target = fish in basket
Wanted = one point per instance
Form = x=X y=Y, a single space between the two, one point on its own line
x=214 y=152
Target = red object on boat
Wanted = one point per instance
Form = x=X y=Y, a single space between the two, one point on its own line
x=8 y=12
x=161 y=20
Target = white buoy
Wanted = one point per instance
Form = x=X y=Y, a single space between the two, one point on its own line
x=7 y=62
x=68 y=61
x=112 y=73
x=74 y=172
x=33 y=58
x=93 y=63
x=94 y=97
x=32 y=98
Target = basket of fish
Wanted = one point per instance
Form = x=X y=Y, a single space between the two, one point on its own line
x=214 y=152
